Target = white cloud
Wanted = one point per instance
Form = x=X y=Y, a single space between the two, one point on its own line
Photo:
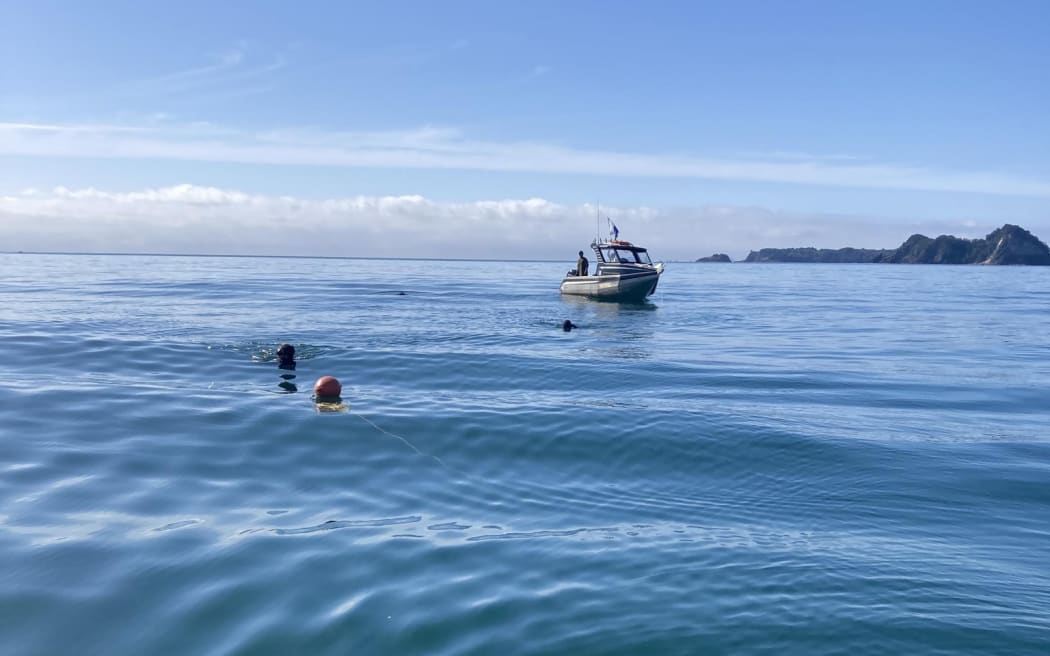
x=196 y=219
x=436 y=148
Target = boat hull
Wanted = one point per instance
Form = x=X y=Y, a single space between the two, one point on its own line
x=619 y=287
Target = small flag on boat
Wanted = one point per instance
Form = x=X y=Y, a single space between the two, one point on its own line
x=615 y=232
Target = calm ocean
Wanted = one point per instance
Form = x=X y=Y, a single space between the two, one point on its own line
x=763 y=459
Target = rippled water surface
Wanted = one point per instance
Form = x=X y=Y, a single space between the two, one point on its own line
x=773 y=459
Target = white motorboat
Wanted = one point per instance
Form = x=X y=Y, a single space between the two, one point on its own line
x=623 y=272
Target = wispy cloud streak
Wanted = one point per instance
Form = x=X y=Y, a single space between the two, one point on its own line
x=434 y=148
x=225 y=62
x=229 y=70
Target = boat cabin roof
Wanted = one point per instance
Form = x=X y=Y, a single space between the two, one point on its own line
x=619 y=243
x=617 y=250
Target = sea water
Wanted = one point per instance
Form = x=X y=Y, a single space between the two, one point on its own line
x=761 y=459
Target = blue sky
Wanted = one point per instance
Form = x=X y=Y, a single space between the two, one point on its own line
x=485 y=127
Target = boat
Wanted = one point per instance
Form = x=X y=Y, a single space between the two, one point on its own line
x=623 y=272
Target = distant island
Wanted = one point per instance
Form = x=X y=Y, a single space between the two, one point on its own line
x=717 y=257
x=1009 y=244
x=822 y=255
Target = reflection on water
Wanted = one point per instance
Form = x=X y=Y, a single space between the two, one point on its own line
x=286 y=384
x=607 y=308
x=327 y=406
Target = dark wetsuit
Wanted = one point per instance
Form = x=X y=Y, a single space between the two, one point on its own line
x=582 y=265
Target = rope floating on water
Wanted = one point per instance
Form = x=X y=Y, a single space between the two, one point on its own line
x=398 y=437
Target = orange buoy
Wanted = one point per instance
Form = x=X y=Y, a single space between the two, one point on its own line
x=328 y=387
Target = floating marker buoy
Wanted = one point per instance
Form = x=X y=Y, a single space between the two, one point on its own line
x=327 y=387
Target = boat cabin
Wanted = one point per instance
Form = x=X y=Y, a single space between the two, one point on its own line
x=622 y=252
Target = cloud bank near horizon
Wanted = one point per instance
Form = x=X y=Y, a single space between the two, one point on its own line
x=443 y=149
x=208 y=220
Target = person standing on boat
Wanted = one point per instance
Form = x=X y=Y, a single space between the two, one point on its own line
x=582 y=265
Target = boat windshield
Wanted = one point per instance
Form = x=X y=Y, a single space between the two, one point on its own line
x=625 y=255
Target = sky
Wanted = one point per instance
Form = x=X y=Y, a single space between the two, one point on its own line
x=514 y=129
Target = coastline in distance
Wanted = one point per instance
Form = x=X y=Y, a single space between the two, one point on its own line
x=1009 y=244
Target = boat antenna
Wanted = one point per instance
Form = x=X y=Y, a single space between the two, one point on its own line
x=598 y=221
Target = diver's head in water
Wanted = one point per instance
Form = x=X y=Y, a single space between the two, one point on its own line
x=286 y=356
x=568 y=325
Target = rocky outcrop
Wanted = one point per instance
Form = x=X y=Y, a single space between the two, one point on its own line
x=1015 y=245
x=822 y=255
x=946 y=249
x=717 y=257
x=1009 y=244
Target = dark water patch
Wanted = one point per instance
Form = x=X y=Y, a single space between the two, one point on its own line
x=448 y=526
x=576 y=532
x=332 y=524
x=177 y=525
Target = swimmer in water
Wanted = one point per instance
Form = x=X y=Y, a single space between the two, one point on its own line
x=286 y=361
x=286 y=357
x=568 y=326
